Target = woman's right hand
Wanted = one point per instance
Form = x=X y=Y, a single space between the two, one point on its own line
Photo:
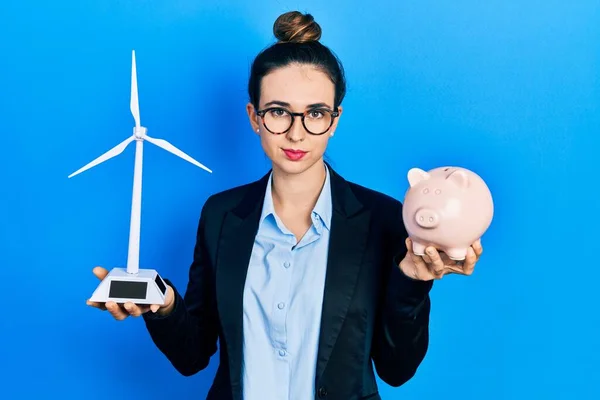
x=122 y=311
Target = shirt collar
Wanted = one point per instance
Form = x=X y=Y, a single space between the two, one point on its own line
x=322 y=209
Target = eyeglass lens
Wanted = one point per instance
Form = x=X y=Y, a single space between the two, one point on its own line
x=280 y=120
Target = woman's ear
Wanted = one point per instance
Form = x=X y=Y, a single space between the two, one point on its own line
x=335 y=122
x=252 y=117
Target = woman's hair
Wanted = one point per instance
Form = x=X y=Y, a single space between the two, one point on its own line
x=298 y=43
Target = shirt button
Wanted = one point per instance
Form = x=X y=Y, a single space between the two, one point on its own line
x=286 y=264
x=282 y=353
x=280 y=306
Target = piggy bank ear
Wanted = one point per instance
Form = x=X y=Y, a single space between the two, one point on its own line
x=416 y=175
x=459 y=178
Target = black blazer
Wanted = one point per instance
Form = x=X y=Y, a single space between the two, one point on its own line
x=372 y=313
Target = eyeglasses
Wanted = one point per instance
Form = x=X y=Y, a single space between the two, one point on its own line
x=316 y=121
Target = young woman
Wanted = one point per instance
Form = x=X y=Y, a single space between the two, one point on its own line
x=305 y=280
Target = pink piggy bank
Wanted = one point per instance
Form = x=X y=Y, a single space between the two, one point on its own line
x=448 y=208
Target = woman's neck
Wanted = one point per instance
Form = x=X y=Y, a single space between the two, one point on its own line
x=298 y=191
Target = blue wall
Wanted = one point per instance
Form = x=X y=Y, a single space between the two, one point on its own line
x=510 y=89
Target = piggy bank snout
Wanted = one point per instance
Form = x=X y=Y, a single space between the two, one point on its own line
x=427 y=218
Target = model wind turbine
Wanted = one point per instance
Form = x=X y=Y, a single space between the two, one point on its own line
x=140 y=286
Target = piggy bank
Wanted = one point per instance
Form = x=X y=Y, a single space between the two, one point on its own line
x=448 y=208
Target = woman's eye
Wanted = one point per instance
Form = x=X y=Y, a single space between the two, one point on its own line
x=277 y=112
x=315 y=114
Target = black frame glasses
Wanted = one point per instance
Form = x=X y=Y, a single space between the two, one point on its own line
x=302 y=115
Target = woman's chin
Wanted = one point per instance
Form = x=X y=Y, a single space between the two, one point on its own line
x=294 y=167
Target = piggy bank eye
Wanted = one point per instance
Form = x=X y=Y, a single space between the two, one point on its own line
x=425 y=191
x=438 y=191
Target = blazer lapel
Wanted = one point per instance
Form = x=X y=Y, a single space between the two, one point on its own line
x=348 y=240
x=235 y=246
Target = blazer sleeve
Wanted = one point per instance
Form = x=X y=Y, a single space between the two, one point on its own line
x=188 y=335
x=401 y=335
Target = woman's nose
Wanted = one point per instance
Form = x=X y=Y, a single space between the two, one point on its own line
x=297 y=133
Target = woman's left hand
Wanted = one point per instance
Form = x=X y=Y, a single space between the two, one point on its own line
x=434 y=264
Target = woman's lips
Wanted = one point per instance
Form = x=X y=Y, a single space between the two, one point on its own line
x=294 y=155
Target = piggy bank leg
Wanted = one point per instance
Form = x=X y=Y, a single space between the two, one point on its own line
x=456 y=254
x=418 y=248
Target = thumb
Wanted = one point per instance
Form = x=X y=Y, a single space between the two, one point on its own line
x=100 y=272
x=408 y=244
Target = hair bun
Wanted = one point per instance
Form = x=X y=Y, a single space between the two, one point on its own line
x=295 y=27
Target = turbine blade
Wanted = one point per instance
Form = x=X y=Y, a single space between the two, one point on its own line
x=174 y=150
x=115 y=151
x=134 y=104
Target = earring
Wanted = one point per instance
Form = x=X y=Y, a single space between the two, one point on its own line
x=331 y=134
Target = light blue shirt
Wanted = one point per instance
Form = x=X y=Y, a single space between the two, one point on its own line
x=283 y=296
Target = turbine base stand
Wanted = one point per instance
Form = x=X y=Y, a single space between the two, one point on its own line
x=144 y=287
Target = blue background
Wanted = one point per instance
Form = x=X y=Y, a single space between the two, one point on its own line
x=510 y=89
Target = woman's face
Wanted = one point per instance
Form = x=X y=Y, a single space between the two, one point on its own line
x=295 y=88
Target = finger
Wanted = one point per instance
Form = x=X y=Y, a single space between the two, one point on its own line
x=154 y=308
x=116 y=311
x=418 y=261
x=96 y=304
x=408 y=244
x=135 y=310
x=100 y=272
x=470 y=261
x=420 y=267
x=478 y=248
x=437 y=264
x=455 y=267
